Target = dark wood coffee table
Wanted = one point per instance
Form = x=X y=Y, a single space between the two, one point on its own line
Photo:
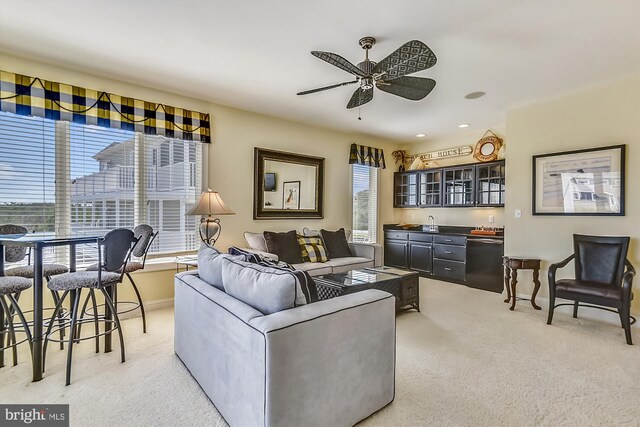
x=403 y=284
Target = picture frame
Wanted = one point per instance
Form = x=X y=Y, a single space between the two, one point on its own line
x=588 y=182
x=291 y=195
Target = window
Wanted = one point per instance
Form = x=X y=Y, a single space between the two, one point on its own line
x=67 y=178
x=364 y=180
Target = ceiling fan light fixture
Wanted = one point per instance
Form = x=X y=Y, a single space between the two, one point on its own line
x=464 y=125
x=420 y=135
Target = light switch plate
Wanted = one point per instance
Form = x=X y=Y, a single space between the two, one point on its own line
x=491 y=218
x=518 y=213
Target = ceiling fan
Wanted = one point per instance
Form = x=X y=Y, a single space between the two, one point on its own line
x=388 y=75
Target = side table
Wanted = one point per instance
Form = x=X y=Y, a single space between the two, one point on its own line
x=511 y=266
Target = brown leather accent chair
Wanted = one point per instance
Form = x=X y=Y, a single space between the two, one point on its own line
x=603 y=276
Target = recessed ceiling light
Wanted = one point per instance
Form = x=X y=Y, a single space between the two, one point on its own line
x=420 y=135
x=464 y=125
x=475 y=95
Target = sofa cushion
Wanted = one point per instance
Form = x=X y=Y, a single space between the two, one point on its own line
x=256 y=241
x=336 y=243
x=267 y=289
x=312 y=249
x=342 y=265
x=285 y=245
x=210 y=265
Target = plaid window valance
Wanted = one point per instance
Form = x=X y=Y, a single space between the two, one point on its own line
x=367 y=156
x=32 y=96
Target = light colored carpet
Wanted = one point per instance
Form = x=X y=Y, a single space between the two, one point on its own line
x=465 y=360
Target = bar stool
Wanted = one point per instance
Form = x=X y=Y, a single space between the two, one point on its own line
x=115 y=249
x=145 y=235
x=10 y=288
x=18 y=253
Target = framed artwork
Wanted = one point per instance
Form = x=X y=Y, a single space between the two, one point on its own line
x=580 y=182
x=291 y=195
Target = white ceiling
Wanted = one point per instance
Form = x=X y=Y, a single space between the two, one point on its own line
x=255 y=55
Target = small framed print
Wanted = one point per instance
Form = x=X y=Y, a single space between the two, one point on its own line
x=580 y=182
x=291 y=195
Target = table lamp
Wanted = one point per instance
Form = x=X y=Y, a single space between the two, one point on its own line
x=210 y=203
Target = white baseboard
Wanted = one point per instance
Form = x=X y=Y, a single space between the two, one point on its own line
x=585 y=312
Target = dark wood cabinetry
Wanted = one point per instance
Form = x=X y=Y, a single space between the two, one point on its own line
x=405 y=189
x=458 y=186
x=429 y=188
x=420 y=252
x=473 y=261
x=450 y=257
x=480 y=184
x=396 y=248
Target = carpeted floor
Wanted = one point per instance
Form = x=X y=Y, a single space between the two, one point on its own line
x=465 y=360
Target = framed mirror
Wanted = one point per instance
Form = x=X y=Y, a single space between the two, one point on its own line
x=287 y=185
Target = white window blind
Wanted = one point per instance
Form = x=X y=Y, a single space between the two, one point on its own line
x=67 y=178
x=365 y=203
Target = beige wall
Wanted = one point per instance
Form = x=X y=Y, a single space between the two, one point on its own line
x=237 y=132
x=453 y=216
x=600 y=116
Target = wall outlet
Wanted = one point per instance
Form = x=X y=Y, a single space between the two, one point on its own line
x=518 y=213
x=491 y=218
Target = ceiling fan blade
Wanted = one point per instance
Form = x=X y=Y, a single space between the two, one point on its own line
x=320 y=89
x=409 y=58
x=340 y=62
x=413 y=88
x=360 y=97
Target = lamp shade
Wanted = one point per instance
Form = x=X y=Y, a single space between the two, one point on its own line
x=210 y=203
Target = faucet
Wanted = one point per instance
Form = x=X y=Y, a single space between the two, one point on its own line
x=433 y=222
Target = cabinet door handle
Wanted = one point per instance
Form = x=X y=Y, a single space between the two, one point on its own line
x=448 y=252
x=447 y=268
x=448 y=240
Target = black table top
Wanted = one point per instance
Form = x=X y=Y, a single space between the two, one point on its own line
x=46 y=239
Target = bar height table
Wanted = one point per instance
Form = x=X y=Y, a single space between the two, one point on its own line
x=39 y=241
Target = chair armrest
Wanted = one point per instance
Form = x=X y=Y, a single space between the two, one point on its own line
x=367 y=250
x=266 y=255
x=627 y=280
x=554 y=267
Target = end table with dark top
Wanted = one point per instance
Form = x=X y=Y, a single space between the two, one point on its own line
x=403 y=284
x=511 y=266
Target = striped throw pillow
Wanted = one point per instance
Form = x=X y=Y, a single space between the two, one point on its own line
x=312 y=249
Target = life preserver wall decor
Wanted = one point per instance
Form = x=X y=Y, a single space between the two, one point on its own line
x=486 y=149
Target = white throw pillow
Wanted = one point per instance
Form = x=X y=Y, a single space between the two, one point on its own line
x=267 y=289
x=210 y=265
x=256 y=241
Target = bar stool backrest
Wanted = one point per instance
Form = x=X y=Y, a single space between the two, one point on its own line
x=146 y=236
x=115 y=249
x=14 y=253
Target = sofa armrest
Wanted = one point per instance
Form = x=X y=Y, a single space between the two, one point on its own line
x=287 y=318
x=335 y=357
x=266 y=255
x=367 y=250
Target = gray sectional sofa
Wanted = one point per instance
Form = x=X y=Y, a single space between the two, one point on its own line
x=329 y=363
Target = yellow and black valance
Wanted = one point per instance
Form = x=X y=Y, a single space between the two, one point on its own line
x=32 y=96
x=367 y=156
